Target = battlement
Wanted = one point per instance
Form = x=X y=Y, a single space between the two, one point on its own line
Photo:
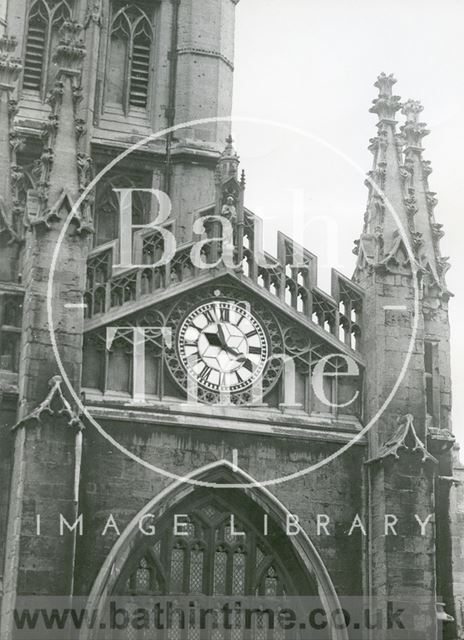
x=291 y=278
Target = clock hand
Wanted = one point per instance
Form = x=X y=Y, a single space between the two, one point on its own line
x=221 y=335
x=233 y=352
x=240 y=357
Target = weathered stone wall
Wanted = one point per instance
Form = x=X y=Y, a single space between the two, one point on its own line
x=113 y=484
x=7 y=420
x=38 y=363
x=192 y=187
x=436 y=327
x=205 y=66
x=45 y=560
x=456 y=503
x=386 y=341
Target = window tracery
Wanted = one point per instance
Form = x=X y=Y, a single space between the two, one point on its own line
x=45 y=19
x=208 y=558
x=111 y=370
x=107 y=203
x=130 y=49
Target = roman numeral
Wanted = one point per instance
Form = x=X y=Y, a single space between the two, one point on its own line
x=194 y=358
x=248 y=365
x=209 y=316
x=204 y=374
x=225 y=314
x=255 y=351
x=250 y=334
x=239 y=378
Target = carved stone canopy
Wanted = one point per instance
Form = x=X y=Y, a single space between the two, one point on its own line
x=404 y=440
x=54 y=404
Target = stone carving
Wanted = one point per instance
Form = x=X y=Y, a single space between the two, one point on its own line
x=71 y=49
x=10 y=66
x=84 y=167
x=10 y=210
x=53 y=200
x=55 y=404
x=404 y=439
x=210 y=53
x=94 y=13
x=229 y=209
x=432 y=200
x=386 y=105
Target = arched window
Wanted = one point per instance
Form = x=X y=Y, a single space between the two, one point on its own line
x=129 y=56
x=45 y=19
x=220 y=550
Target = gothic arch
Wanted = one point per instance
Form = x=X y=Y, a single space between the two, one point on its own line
x=117 y=561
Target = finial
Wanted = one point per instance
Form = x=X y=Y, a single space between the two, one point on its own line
x=229 y=150
x=385 y=84
x=229 y=160
x=413 y=130
x=411 y=109
x=386 y=105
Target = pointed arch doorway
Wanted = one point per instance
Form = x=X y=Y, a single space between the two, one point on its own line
x=234 y=544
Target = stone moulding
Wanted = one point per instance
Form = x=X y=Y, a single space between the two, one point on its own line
x=60 y=210
x=46 y=406
x=211 y=53
x=405 y=438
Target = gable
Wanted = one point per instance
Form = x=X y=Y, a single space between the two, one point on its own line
x=292 y=338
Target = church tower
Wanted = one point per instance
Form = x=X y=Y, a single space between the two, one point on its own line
x=406 y=345
x=80 y=83
x=150 y=66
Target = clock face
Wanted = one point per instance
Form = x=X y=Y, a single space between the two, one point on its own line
x=222 y=346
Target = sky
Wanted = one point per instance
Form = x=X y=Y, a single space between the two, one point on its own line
x=307 y=68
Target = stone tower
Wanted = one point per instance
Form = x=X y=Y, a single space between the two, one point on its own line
x=406 y=343
x=70 y=116
x=41 y=404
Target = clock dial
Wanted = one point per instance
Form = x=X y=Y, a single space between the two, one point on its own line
x=222 y=346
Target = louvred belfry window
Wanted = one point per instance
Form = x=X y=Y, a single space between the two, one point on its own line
x=129 y=56
x=45 y=19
